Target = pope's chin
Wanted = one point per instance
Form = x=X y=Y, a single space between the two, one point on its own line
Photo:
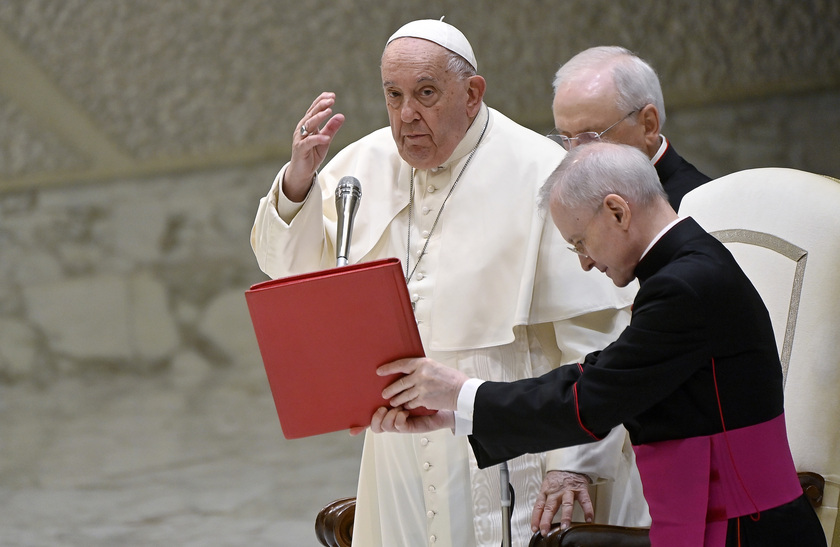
x=418 y=157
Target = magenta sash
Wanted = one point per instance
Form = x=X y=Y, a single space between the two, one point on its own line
x=694 y=486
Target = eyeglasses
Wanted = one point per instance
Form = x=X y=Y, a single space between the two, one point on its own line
x=583 y=138
x=578 y=247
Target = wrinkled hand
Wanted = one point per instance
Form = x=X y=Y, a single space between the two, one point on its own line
x=310 y=149
x=398 y=420
x=427 y=383
x=559 y=491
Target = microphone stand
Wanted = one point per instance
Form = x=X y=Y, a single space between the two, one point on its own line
x=507 y=505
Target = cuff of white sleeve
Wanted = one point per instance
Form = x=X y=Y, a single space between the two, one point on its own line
x=286 y=208
x=466 y=407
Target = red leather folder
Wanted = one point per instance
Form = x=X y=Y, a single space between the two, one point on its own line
x=323 y=334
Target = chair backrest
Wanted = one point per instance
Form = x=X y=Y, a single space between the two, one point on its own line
x=783 y=227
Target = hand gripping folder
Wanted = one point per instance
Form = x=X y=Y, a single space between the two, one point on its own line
x=323 y=334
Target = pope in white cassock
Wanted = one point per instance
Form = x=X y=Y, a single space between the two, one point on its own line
x=451 y=189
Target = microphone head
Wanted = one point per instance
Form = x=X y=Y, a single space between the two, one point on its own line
x=348 y=186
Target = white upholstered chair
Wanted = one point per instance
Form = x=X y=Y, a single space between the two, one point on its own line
x=783 y=227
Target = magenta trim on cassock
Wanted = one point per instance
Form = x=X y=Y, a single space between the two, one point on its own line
x=693 y=486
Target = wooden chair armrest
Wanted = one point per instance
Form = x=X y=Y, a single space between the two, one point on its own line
x=813 y=484
x=334 y=523
x=592 y=535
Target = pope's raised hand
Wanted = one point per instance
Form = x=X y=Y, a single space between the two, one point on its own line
x=310 y=144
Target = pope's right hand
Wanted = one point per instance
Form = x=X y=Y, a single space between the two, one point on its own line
x=310 y=144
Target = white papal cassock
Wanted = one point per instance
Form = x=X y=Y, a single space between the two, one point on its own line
x=496 y=295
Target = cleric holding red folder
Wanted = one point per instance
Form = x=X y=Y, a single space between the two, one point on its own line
x=695 y=378
x=494 y=294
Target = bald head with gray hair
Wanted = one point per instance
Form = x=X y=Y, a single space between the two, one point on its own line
x=591 y=172
x=635 y=80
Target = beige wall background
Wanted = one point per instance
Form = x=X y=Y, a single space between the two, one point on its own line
x=137 y=137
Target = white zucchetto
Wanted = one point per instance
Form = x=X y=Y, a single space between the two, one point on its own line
x=440 y=33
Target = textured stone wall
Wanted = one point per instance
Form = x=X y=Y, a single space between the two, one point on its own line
x=140 y=273
x=199 y=83
x=133 y=276
x=800 y=131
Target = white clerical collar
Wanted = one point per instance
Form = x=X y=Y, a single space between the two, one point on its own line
x=663 y=146
x=659 y=236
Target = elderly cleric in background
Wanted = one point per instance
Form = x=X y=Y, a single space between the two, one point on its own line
x=450 y=188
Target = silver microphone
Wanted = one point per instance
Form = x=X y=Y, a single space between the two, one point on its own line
x=348 y=193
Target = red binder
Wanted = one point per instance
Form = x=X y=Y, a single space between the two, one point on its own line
x=323 y=334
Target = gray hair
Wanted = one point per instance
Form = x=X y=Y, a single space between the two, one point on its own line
x=636 y=81
x=591 y=172
x=460 y=66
